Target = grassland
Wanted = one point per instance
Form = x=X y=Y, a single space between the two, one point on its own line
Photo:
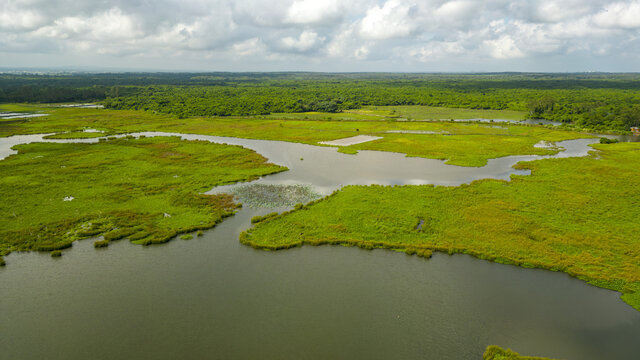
x=147 y=190
x=497 y=353
x=458 y=143
x=415 y=112
x=576 y=215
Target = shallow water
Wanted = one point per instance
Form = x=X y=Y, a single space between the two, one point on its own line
x=15 y=115
x=212 y=297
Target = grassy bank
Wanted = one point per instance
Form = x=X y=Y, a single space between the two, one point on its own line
x=497 y=353
x=461 y=144
x=577 y=215
x=147 y=190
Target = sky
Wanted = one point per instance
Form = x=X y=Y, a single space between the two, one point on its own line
x=322 y=35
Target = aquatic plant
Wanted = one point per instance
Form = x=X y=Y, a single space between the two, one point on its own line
x=257 y=219
x=271 y=195
x=56 y=253
x=100 y=243
x=186 y=237
x=199 y=233
x=494 y=352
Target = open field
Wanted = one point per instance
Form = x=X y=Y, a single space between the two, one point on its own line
x=458 y=143
x=147 y=190
x=415 y=112
x=577 y=215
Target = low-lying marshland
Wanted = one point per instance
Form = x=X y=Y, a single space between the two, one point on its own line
x=147 y=190
x=570 y=215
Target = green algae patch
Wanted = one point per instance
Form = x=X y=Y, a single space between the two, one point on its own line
x=575 y=215
x=148 y=190
x=494 y=352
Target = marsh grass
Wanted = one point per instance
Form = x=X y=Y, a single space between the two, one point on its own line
x=494 y=352
x=576 y=215
x=186 y=237
x=100 y=244
x=257 y=219
x=465 y=144
x=271 y=196
x=121 y=188
x=56 y=253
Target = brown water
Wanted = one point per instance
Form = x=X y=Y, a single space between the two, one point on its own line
x=212 y=297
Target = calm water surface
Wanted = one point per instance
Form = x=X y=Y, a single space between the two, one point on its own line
x=212 y=297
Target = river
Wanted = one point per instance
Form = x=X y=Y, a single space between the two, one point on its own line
x=212 y=297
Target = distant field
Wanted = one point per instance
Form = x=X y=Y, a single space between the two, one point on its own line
x=458 y=143
x=416 y=112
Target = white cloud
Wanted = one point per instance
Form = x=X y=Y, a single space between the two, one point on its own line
x=438 y=50
x=457 y=10
x=393 y=20
x=619 y=15
x=248 y=47
x=306 y=41
x=503 y=47
x=313 y=11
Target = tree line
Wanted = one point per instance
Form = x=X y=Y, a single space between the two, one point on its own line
x=594 y=101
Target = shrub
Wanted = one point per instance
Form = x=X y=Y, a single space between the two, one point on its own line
x=604 y=140
x=100 y=243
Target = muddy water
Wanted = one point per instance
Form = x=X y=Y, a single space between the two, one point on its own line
x=211 y=297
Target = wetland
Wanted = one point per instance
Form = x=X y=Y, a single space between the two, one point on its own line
x=462 y=216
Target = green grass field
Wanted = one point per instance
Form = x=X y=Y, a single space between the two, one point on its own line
x=148 y=190
x=576 y=215
x=458 y=143
x=416 y=112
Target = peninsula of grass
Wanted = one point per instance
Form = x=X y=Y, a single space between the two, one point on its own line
x=463 y=144
x=576 y=215
x=77 y=135
x=147 y=190
x=494 y=352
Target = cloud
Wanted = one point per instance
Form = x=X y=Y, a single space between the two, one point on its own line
x=314 y=12
x=306 y=41
x=619 y=15
x=392 y=20
x=385 y=35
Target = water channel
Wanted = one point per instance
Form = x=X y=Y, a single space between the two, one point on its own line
x=214 y=298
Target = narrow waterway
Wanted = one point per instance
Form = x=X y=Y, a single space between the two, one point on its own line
x=212 y=297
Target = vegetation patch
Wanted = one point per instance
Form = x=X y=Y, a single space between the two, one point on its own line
x=100 y=244
x=588 y=230
x=271 y=195
x=78 y=135
x=147 y=190
x=494 y=352
x=462 y=144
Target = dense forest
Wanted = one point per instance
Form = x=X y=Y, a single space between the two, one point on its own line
x=592 y=101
